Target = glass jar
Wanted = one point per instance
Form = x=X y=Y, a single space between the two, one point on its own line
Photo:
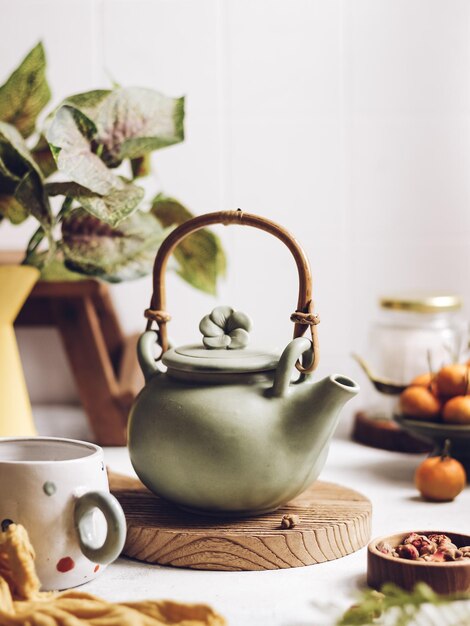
x=412 y=334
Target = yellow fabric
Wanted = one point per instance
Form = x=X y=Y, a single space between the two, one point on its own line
x=22 y=604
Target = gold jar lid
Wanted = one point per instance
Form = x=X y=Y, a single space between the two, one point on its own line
x=422 y=303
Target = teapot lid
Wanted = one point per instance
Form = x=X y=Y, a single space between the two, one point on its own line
x=196 y=358
x=223 y=348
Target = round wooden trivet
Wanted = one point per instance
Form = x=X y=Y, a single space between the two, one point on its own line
x=385 y=434
x=333 y=521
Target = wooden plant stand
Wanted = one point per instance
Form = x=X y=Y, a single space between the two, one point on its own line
x=103 y=360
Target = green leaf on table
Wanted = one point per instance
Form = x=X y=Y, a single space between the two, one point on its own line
x=43 y=156
x=200 y=257
x=26 y=92
x=396 y=607
x=94 y=248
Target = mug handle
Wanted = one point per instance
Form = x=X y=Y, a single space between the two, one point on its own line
x=116 y=531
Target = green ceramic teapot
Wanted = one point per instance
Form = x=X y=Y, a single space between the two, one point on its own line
x=225 y=430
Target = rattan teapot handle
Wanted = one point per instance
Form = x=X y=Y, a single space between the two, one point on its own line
x=303 y=317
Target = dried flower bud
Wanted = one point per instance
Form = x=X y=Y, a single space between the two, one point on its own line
x=452 y=555
x=436 y=548
x=438 y=556
x=446 y=554
x=421 y=543
x=465 y=552
x=384 y=547
x=427 y=549
x=407 y=551
x=439 y=538
x=289 y=520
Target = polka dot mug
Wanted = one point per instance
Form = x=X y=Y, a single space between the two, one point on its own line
x=58 y=490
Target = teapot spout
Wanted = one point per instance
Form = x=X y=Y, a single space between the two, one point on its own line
x=344 y=388
x=314 y=411
x=328 y=396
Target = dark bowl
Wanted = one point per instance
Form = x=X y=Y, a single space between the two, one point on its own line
x=437 y=433
x=448 y=577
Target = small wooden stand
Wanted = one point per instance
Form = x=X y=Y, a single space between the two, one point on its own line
x=103 y=360
x=386 y=434
x=333 y=521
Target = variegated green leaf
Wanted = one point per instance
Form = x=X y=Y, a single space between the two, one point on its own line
x=129 y=122
x=31 y=194
x=111 y=208
x=88 y=101
x=26 y=92
x=53 y=269
x=200 y=257
x=101 y=192
x=132 y=122
x=115 y=254
x=141 y=166
x=73 y=154
x=11 y=209
x=21 y=185
x=14 y=152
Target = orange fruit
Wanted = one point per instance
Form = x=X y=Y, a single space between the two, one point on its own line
x=423 y=380
x=440 y=478
x=457 y=410
x=451 y=380
x=419 y=402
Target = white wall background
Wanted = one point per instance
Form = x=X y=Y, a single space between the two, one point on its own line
x=348 y=121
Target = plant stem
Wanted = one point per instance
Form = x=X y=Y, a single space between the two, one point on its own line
x=431 y=375
x=33 y=243
x=445 y=450
x=52 y=244
x=66 y=205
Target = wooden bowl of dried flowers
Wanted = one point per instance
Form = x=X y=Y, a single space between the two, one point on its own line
x=440 y=560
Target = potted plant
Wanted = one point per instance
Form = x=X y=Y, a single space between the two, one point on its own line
x=77 y=174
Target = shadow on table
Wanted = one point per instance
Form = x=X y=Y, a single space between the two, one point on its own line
x=327 y=613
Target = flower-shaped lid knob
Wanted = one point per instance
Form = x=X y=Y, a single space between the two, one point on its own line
x=225 y=328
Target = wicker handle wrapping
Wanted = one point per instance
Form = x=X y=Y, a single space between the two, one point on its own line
x=303 y=317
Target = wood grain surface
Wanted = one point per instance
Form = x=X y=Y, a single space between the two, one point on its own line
x=333 y=521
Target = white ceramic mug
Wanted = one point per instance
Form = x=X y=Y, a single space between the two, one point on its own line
x=58 y=490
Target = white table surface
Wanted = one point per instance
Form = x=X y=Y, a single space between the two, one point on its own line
x=307 y=596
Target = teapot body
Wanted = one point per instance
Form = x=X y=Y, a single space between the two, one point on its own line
x=222 y=448
x=226 y=430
